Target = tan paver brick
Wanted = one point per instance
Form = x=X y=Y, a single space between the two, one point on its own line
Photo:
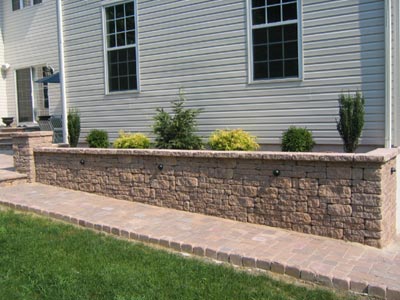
x=331 y=262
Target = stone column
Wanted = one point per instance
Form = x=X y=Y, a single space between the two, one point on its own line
x=23 y=144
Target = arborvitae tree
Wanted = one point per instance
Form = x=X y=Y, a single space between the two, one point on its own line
x=177 y=130
x=74 y=127
x=351 y=120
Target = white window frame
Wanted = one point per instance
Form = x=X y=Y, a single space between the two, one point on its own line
x=250 y=28
x=107 y=4
x=21 y=4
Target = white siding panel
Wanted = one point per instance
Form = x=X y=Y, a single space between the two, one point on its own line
x=30 y=38
x=3 y=94
x=201 y=46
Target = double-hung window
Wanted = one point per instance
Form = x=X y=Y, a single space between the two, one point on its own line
x=275 y=45
x=19 y=4
x=121 y=47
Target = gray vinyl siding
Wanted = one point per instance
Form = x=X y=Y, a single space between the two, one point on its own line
x=201 y=46
x=3 y=95
x=30 y=38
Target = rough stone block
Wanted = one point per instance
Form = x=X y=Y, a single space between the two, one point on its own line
x=359 y=286
x=377 y=290
x=249 y=262
x=293 y=271
x=339 y=210
x=341 y=284
x=278 y=267
x=235 y=259
x=263 y=264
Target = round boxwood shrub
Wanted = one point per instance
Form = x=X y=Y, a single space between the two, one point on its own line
x=297 y=139
x=232 y=140
x=131 y=141
x=97 y=139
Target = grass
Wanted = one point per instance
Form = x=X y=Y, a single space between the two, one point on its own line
x=43 y=259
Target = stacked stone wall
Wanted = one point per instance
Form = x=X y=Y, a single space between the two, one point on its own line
x=348 y=197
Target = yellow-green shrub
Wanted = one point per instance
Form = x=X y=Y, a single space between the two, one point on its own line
x=235 y=139
x=131 y=141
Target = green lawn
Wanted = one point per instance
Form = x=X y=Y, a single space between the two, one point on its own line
x=42 y=259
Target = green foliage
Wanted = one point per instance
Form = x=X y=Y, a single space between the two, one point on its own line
x=232 y=140
x=98 y=139
x=176 y=131
x=351 y=120
x=297 y=140
x=74 y=127
x=46 y=260
x=132 y=141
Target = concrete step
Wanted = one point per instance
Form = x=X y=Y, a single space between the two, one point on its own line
x=10 y=177
x=5 y=145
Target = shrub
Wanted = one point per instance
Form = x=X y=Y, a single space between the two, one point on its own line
x=97 y=139
x=74 y=127
x=351 y=120
x=133 y=141
x=297 y=140
x=176 y=131
x=235 y=139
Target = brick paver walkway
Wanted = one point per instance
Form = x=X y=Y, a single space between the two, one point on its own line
x=330 y=262
x=7 y=171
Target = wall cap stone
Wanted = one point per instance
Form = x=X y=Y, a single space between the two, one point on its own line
x=31 y=134
x=376 y=156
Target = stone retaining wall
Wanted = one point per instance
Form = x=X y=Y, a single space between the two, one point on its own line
x=344 y=196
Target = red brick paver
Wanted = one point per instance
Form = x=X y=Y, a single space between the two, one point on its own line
x=331 y=262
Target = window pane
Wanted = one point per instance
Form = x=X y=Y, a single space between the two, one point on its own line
x=291 y=68
x=260 y=53
x=288 y=1
x=37 y=2
x=130 y=37
x=110 y=27
x=114 y=86
x=129 y=9
x=123 y=83
x=291 y=50
x=114 y=70
x=257 y=3
x=275 y=51
x=132 y=68
x=119 y=11
x=123 y=69
x=289 y=12
x=276 y=69
x=132 y=54
x=16 y=5
x=259 y=16
x=260 y=36
x=275 y=34
x=271 y=2
x=123 y=55
x=290 y=32
x=132 y=82
x=130 y=23
x=260 y=71
x=110 y=14
x=26 y=3
x=111 y=41
x=121 y=39
x=274 y=14
x=120 y=25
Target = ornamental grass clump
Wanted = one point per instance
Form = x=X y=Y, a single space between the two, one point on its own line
x=177 y=130
x=232 y=140
x=297 y=139
x=97 y=139
x=131 y=141
x=351 y=120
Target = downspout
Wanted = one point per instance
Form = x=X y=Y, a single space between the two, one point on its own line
x=388 y=74
x=62 y=71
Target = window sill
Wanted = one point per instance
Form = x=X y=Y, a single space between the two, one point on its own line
x=272 y=81
x=122 y=92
